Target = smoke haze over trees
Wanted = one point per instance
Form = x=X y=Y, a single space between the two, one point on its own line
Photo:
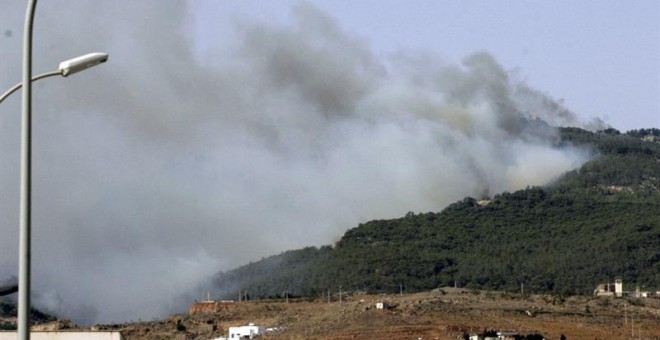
x=155 y=170
x=594 y=224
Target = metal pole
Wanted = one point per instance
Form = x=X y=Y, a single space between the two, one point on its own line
x=19 y=85
x=24 y=253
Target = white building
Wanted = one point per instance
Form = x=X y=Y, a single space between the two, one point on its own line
x=482 y=337
x=618 y=287
x=65 y=335
x=608 y=289
x=245 y=332
x=499 y=336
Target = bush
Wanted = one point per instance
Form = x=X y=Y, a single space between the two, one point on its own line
x=636 y=302
x=603 y=302
x=7 y=326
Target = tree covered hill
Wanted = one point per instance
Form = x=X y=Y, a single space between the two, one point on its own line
x=593 y=224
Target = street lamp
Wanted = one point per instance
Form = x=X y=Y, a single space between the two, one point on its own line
x=24 y=253
x=66 y=68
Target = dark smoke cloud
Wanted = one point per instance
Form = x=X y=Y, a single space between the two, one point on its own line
x=163 y=166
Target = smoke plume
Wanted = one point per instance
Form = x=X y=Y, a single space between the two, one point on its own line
x=165 y=165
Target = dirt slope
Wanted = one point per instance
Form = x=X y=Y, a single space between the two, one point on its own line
x=442 y=314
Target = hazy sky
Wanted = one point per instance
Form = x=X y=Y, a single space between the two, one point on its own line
x=602 y=57
x=220 y=132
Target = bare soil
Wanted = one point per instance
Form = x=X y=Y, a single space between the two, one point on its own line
x=447 y=313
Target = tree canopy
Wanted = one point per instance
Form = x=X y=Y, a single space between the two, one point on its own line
x=593 y=224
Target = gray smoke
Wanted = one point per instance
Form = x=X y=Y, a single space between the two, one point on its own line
x=163 y=166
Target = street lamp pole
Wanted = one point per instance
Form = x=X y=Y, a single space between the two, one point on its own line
x=24 y=252
x=24 y=248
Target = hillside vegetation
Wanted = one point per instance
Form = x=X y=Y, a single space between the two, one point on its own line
x=8 y=312
x=593 y=224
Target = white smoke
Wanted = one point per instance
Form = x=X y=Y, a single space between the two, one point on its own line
x=161 y=167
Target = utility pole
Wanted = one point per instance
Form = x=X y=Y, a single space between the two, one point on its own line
x=632 y=326
x=400 y=288
x=339 y=294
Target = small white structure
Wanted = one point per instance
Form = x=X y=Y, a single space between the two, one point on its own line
x=618 y=287
x=245 y=332
x=604 y=289
x=383 y=305
x=65 y=335
x=609 y=289
x=639 y=294
x=498 y=336
x=482 y=337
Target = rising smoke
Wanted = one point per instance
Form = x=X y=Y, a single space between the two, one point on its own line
x=163 y=166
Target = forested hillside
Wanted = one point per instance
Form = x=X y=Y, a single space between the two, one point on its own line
x=593 y=224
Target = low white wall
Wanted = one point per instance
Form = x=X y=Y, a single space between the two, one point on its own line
x=73 y=335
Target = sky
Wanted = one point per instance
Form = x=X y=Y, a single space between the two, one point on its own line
x=221 y=132
x=602 y=58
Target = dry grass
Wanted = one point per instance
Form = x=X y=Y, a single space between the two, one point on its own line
x=442 y=314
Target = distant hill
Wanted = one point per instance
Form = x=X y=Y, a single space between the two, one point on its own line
x=593 y=224
x=8 y=312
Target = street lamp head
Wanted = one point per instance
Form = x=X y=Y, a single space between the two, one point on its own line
x=71 y=66
x=66 y=68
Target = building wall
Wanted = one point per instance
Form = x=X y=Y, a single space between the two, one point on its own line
x=244 y=331
x=12 y=335
x=618 y=287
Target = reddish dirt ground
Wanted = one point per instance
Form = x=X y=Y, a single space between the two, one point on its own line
x=442 y=314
